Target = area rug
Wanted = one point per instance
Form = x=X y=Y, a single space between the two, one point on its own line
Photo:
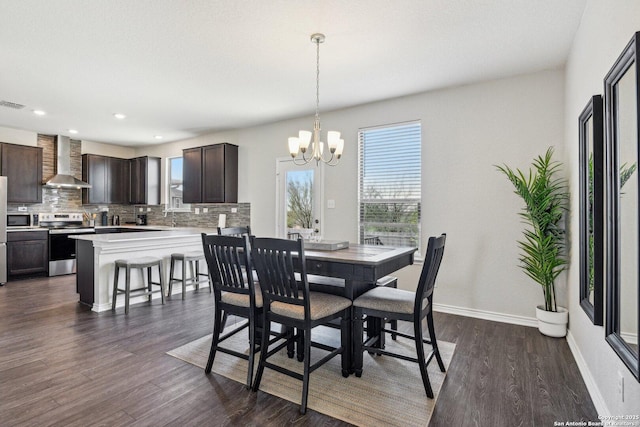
x=389 y=393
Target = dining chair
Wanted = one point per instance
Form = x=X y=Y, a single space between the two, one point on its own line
x=228 y=259
x=280 y=264
x=374 y=240
x=234 y=231
x=292 y=235
x=398 y=304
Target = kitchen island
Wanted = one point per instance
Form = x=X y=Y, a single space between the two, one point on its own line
x=96 y=254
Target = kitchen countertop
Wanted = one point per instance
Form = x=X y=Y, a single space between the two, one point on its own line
x=166 y=232
x=25 y=228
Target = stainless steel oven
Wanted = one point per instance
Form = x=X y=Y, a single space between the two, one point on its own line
x=62 y=248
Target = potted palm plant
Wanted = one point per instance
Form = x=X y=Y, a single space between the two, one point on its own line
x=543 y=256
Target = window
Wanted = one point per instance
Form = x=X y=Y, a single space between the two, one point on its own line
x=390 y=184
x=174 y=184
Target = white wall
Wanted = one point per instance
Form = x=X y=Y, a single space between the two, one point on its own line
x=103 y=149
x=605 y=30
x=466 y=130
x=16 y=136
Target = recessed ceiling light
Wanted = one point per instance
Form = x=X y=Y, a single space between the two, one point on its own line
x=119 y=116
x=158 y=137
x=73 y=131
x=39 y=112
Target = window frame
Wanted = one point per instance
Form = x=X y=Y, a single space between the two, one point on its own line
x=418 y=201
x=186 y=207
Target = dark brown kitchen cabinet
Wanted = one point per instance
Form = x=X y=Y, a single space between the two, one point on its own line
x=119 y=181
x=145 y=180
x=210 y=174
x=22 y=165
x=109 y=179
x=27 y=253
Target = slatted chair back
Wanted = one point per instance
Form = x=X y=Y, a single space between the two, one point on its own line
x=433 y=258
x=234 y=231
x=373 y=241
x=280 y=265
x=228 y=264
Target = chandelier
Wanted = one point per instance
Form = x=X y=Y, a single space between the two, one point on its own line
x=299 y=146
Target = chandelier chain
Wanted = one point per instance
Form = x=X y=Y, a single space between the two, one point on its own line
x=317 y=79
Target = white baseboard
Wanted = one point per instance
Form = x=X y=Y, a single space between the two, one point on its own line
x=487 y=315
x=596 y=396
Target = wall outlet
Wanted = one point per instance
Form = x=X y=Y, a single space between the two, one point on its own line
x=331 y=204
x=234 y=210
x=148 y=209
x=620 y=386
x=139 y=209
x=196 y=211
x=22 y=208
x=205 y=210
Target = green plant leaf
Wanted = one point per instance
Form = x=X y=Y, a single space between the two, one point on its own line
x=545 y=197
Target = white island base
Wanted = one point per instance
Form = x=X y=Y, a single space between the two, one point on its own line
x=96 y=256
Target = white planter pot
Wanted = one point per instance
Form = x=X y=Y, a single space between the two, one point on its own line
x=552 y=323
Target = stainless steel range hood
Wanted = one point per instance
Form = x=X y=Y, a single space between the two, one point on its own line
x=63 y=177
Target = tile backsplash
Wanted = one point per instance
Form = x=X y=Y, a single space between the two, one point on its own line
x=70 y=200
x=156 y=215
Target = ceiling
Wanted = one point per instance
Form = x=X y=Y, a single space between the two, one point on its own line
x=179 y=69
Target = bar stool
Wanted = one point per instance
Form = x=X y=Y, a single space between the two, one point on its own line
x=141 y=264
x=190 y=258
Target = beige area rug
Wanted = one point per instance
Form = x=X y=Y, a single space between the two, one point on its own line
x=389 y=393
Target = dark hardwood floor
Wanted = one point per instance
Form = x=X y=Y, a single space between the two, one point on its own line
x=63 y=365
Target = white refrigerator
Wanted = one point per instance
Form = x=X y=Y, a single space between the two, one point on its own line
x=3 y=230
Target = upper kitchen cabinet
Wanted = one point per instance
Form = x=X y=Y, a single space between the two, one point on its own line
x=210 y=174
x=22 y=165
x=109 y=179
x=145 y=180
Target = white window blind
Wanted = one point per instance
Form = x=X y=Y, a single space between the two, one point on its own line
x=390 y=184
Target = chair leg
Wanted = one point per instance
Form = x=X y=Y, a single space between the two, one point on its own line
x=115 y=288
x=434 y=341
x=127 y=287
x=171 y=270
x=305 y=375
x=149 y=285
x=345 y=342
x=161 y=278
x=224 y=321
x=357 y=342
x=252 y=347
x=300 y=345
x=417 y=329
x=194 y=278
x=394 y=327
x=214 y=339
x=291 y=345
x=264 y=349
x=184 y=278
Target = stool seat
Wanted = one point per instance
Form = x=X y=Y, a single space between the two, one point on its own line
x=142 y=264
x=188 y=256
x=192 y=258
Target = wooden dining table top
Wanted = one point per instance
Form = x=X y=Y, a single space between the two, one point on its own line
x=360 y=254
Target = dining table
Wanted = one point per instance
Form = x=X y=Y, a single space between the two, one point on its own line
x=352 y=271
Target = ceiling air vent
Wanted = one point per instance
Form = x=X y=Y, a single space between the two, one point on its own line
x=13 y=105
